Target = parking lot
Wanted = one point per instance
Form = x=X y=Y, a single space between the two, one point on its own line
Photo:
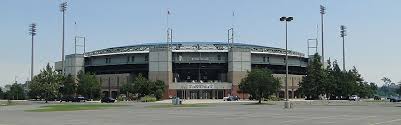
x=238 y=113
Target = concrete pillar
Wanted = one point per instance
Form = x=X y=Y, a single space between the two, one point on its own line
x=239 y=63
x=160 y=68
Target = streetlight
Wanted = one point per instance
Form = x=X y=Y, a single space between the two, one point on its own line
x=32 y=32
x=63 y=8
x=322 y=12
x=286 y=20
x=343 y=33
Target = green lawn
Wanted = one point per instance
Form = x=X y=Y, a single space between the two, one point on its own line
x=72 y=107
x=176 y=106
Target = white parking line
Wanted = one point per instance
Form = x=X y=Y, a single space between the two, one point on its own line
x=394 y=120
x=314 y=118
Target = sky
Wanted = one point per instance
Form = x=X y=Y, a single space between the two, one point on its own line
x=372 y=45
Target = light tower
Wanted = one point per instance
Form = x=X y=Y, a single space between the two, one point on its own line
x=343 y=33
x=286 y=20
x=63 y=8
x=32 y=32
x=322 y=12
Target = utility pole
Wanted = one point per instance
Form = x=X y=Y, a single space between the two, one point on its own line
x=63 y=8
x=343 y=33
x=32 y=32
x=322 y=12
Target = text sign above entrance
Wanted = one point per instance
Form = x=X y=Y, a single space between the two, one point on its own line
x=200 y=86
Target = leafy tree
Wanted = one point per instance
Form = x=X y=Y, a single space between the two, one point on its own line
x=259 y=83
x=68 y=86
x=312 y=85
x=1 y=93
x=16 y=92
x=88 y=85
x=46 y=84
x=142 y=87
x=157 y=88
x=388 y=89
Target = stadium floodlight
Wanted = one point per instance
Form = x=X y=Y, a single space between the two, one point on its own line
x=322 y=12
x=286 y=20
x=32 y=32
x=343 y=33
x=63 y=8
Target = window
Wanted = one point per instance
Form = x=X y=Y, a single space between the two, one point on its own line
x=127 y=59
x=284 y=60
x=108 y=60
x=264 y=59
x=132 y=58
x=268 y=59
x=147 y=58
x=218 y=57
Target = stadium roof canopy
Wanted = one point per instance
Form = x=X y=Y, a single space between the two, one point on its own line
x=191 y=47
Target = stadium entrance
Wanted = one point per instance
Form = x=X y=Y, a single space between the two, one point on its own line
x=201 y=94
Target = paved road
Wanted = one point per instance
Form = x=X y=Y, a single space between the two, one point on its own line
x=222 y=114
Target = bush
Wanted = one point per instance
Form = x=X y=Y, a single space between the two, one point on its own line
x=148 y=99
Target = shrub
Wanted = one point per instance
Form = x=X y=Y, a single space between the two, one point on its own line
x=148 y=99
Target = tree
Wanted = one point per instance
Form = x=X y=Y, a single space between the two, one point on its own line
x=46 y=84
x=68 y=86
x=312 y=85
x=1 y=93
x=16 y=92
x=259 y=83
x=157 y=88
x=88 y=85
x=142 y=87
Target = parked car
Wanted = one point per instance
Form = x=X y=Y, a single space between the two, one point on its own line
x=107 y=100
x=80 y=99
x=394 y=99
x=354 y=98
x=67 y=99
x=231 y=98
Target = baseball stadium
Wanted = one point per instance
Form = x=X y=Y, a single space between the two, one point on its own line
x=190 y=70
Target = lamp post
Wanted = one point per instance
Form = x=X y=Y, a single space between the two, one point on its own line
x=286 y=20
x=32 y=32
x=343 y=33
x=322 y=12
x=63 y=8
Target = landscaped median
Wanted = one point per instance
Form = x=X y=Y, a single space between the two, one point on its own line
x=73 y=107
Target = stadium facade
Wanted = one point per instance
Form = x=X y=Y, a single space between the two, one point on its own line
x=190 y=70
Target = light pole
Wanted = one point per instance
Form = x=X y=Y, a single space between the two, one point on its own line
x=32 y=32
x=286 y=20
x=343 y=33
x=322 y=12
x=63 y=8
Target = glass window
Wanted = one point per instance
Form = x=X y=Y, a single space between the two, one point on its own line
x=218 y=57
x=132 y=58
x=146 y=58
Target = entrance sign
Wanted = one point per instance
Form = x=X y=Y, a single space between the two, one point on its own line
x=200 y=86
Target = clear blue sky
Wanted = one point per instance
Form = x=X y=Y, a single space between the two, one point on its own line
x=372 y=45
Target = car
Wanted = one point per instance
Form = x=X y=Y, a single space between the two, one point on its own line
x=354 y=98
x=231 y=98
x=107 y=100
x=67 y=99
x=79 y=99
x=394 y=99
